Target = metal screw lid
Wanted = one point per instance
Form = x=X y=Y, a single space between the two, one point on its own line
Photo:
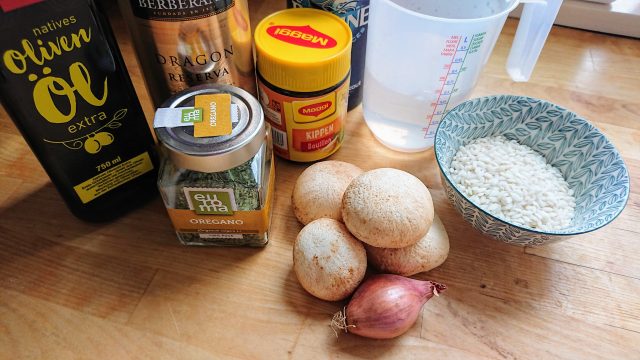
x=219 y=153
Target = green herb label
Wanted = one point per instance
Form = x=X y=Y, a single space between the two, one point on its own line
x=211 y=201
x=192 y=115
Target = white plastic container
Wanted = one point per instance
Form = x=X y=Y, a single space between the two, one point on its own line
x=424 y=57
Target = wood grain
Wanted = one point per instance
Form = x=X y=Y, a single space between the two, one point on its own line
x=127 y=289
x=603 y=250
x=85 y=281
x=499 y=328
x=57 y=332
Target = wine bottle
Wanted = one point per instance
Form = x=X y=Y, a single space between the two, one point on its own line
x=181 y=44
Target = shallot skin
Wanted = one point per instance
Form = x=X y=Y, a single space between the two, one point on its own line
x=386 y=306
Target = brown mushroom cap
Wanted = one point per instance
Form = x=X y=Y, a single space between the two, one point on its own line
x=318 y=190
x=328 y=261
x=387 y=208
x=428 y=253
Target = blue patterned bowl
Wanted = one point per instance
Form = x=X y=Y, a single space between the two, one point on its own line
x=588 y=161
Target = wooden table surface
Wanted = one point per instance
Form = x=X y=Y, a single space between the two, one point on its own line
x=127 y=289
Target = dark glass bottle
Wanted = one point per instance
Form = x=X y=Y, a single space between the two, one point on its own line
x=65 y=85
x=356 y=14
x=189 y=43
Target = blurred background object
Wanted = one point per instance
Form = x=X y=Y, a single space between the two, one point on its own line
x=619 y=17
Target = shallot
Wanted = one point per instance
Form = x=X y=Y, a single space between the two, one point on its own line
x=385 y=306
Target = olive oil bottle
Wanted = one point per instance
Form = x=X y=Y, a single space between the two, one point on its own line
x=65 y=85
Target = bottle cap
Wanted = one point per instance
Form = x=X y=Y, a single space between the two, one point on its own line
x=214 y=153
x=303 y=50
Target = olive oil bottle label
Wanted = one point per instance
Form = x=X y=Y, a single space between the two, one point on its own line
x=120 y=173
x=68 y=94
x=184 y=43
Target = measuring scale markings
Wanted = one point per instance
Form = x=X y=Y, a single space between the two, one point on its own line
x=458 y=47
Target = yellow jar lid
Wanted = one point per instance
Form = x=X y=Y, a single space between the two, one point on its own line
x=303 y=49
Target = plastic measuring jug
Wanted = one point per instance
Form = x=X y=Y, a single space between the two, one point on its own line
x=424 y=57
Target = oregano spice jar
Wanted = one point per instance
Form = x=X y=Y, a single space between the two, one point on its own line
x=217 y=173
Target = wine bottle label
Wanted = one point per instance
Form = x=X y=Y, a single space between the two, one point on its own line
x=184 y=43
x=179 y=10
x=70 y=96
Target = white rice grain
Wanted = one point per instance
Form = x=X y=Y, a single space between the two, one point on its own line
x=513 y=182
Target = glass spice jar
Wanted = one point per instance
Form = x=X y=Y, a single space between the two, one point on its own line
x=217 y=188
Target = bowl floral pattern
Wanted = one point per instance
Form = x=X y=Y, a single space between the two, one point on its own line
x=588 y=161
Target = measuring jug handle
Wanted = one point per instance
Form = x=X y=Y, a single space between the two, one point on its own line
x=535 y=23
